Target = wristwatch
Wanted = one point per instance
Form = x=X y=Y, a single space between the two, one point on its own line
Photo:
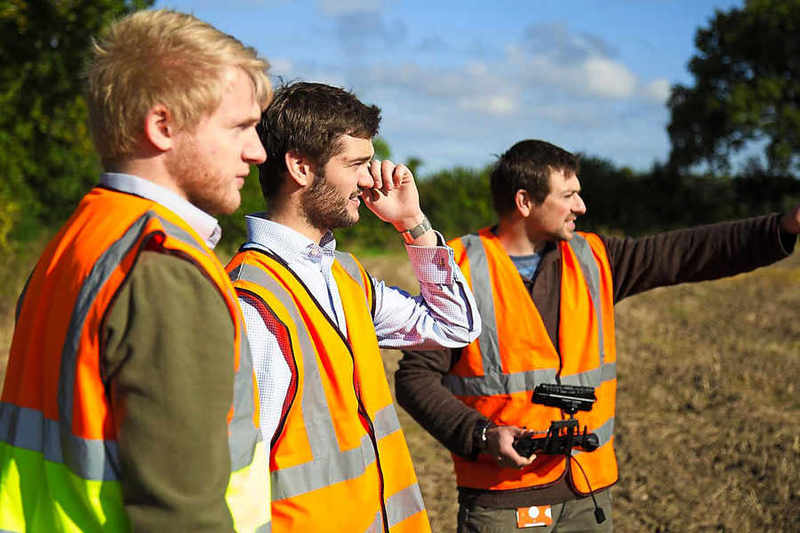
x=411 y=234
x=479 y=435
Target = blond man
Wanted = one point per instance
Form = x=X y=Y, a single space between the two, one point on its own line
x=129 y=395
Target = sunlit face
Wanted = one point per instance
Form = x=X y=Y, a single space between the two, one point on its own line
x=332 y=200
x=554 y=218
x=210 y=163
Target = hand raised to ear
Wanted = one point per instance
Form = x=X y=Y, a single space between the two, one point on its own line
x=393 y=197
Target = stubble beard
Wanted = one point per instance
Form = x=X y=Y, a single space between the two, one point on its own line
x=203 y=186
x=324 y=207
x=568 y=233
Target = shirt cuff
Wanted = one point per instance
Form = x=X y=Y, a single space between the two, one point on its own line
x=787 y=240
x=432 y=264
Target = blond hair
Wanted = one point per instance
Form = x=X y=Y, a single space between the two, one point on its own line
x=161 y=57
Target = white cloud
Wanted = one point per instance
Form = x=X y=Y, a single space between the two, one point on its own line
x=580 y=97
x=491 y=104
x=657 y=91
x=587 y=75
x=609 y=79
x=280 y=66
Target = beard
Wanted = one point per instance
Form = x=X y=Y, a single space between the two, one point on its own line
x=324 y=207
x=202 y=183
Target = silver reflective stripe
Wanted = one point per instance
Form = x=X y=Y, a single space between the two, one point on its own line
x=177 y=232
x=592 y=276
x=79 y=458
x=495 y=381
x=403 y=504
x=266 y=528
x=30 y=430
x=482 y=289
x=386 y=422
x=244 y=435
x=329 y=464
x=377 y=525
x=88 y=458
x=592 y=378
x=498 y=384
x=524 y=381
x=351 y=267
x=603 y=433
x=322 y=471
x=348 y=262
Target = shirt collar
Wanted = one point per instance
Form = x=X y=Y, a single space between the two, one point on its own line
x=204 y=224
x=284 y=241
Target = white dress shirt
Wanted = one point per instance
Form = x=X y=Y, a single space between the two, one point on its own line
x=444 y=315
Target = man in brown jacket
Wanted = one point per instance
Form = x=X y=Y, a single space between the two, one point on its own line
x=554 y=324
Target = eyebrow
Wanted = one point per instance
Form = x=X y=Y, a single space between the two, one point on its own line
x=359 y=159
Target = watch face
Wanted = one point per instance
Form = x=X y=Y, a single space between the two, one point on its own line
x=482 y=439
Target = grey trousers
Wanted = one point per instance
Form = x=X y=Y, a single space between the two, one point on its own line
x=569 y=517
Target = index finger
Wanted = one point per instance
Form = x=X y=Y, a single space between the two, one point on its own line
x=401 y=174
x=387 y=171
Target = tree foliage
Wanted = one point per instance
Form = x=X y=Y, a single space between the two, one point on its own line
x=46 y=156
x=747 y=88
x=457 y=201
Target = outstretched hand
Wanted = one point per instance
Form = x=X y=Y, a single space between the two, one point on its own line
x=790 y=222
x=393 y=196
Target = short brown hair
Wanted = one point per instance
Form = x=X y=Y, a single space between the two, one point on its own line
x=166 y=57
x=527 y=165
x=310 y=119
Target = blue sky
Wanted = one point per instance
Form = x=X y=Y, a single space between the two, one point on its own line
x=460 y=82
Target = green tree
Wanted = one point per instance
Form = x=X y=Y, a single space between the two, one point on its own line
x=382 y=150
x=457 y=201
x=46 y=156
x=747 y=88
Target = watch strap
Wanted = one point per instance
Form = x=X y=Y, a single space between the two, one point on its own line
x=412 y=234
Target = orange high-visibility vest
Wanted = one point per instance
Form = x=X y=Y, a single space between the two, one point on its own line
x=339 y=460
x=59 y=466
x=498 y=372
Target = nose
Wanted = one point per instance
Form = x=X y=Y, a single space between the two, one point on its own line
x=579 y=207
x=365 y=179
x=253 y=151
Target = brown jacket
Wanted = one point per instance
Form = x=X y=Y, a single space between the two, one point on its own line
x=697 y=254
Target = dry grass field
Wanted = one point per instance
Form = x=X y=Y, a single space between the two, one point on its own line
x=708 y=416
x=708 y=408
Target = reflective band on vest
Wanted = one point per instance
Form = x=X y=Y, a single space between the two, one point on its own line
x=498 y=372
x=339 y=447
x=59 y=465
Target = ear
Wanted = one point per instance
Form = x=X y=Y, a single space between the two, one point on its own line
x=159 y=127
x=300 y=169
x=523 y=203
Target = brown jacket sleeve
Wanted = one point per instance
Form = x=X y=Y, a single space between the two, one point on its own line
x=419 y=390
x=695 y=254
x=167 y=366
